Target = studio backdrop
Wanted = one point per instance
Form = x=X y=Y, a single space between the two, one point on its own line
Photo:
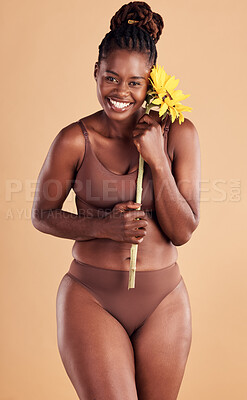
x=48 y=53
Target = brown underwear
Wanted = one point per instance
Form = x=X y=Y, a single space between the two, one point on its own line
x=131 y=307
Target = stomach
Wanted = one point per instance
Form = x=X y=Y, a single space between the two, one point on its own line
x=155 y=252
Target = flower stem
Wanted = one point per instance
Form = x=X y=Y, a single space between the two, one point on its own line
x=134 y=246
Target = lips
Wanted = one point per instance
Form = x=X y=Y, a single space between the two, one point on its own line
x=118 y=109
x=120 y=100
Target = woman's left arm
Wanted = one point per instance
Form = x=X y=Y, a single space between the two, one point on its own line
x=177 y=193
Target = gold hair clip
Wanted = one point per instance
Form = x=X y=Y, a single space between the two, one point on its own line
x=131 y=21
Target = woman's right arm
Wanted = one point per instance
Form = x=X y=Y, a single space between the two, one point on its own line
x=53 y=186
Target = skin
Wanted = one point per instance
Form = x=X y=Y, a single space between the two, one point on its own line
x=102 y=361
x=175 y=166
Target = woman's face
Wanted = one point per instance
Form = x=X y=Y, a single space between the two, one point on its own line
x=122 y=82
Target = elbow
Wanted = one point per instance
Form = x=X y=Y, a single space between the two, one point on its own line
x=37 y=221
x=34 y=218
x=179 y=240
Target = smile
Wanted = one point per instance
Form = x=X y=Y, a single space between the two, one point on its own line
x=118 y=105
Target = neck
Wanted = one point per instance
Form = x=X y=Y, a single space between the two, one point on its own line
x=121 y=129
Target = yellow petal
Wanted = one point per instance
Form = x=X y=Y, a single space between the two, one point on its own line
x=171 y=84
x=176 y=111
x=180 y=107
x=173 y=113
x=178 y=95
x=157 y=101
x=163 y=108
x=164 y=87
x=170 y=102
x=162 y=93
x=159 y=77
x=181 y=118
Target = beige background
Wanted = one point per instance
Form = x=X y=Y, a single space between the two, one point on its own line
x=48 y=54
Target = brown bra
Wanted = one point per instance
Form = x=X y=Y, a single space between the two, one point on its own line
x=97 y=188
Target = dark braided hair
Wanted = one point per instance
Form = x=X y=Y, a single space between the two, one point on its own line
x=141 y=37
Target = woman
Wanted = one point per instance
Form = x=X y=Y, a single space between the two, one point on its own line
x=117 y=343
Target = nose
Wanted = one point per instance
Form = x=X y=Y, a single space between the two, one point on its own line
x=123 y=89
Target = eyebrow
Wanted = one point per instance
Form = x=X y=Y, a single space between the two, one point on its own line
x=131 y=77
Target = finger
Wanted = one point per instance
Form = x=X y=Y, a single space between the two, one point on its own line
x=142 y=125
x=138 y=132
x=125 y=204
x=136 y=237
x=146 y=118
x=133 y=214
x=137 y=241
x=138 y=233
x=142 y=223
x=126 y=209
x=138 y=147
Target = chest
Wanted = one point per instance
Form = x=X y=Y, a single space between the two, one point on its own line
x=108 y=175
x=118 y=156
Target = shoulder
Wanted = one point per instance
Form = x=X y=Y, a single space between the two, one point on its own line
x=70 y=135
x=182 y=135
x=186 y=126
x=176 y=128
x=69 y=143
x=179 y=135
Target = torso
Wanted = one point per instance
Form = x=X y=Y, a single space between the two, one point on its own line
x=109 y=172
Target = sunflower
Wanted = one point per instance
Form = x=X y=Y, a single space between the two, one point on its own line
x=162 y=93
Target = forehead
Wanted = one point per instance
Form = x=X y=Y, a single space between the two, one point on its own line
x=126 y=62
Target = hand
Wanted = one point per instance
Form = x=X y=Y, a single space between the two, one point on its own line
x=149 y=140
x=121 y=224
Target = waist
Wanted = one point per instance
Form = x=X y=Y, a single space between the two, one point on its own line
x=109 y=254
x=109 y=280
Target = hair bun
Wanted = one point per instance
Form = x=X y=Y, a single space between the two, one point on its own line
x=139 y=11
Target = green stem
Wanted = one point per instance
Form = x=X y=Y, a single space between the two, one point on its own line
x=134 y=246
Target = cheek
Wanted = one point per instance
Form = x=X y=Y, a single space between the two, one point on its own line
x=100 y=94
x=142 y=94
x=101 y=91
x=101 y=86
x=144 y=89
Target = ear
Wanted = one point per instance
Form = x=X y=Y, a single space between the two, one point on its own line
x=96 y=71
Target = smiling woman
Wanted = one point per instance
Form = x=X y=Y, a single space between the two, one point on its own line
x=116 y=87
x=117 y=343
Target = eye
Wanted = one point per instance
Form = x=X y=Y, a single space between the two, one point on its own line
x=108 y=78
x=136 y=83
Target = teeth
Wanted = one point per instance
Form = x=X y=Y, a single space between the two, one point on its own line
x=118 y=104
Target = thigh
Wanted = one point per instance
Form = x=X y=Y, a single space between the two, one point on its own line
x=162 y=345
x=95 y=348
